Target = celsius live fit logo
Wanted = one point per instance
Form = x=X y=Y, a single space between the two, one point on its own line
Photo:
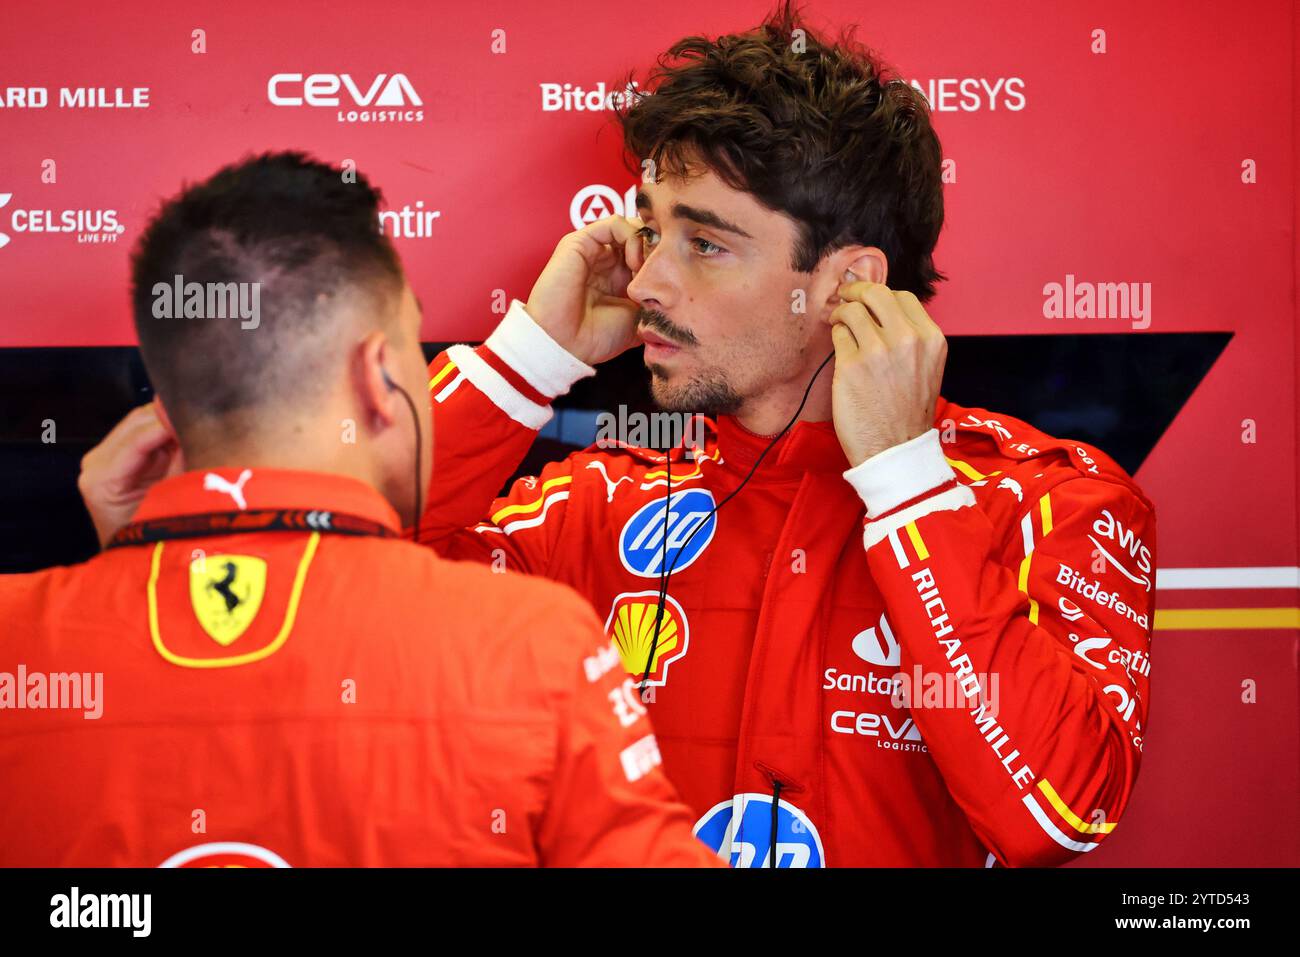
x=89 y=225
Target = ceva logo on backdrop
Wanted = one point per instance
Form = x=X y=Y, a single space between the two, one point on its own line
x=386 y=99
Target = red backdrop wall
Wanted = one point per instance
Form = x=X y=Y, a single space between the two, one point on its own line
x=1169 y=159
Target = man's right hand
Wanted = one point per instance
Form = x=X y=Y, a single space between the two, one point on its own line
x=117 y=472
x=580 y=298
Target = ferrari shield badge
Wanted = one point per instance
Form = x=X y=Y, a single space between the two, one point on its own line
x=226 y=592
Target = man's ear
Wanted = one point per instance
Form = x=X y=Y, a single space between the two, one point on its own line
x=374 y=393
x=860 y=264
x=853 y=264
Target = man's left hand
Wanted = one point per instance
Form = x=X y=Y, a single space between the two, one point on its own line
x=889 y=359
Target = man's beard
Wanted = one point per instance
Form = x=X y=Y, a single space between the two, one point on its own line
x=708 y=393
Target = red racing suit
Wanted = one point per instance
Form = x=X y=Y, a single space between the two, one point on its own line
x=255 y=698
x=939 y=657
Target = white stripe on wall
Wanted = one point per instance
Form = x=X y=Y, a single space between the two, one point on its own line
x=1279 y=576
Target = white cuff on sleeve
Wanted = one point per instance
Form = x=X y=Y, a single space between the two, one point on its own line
x=494 y=385
x=959 y=496
x=528 y=349
x=890 y=478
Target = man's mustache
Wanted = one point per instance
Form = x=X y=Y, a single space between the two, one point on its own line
x=657 y=322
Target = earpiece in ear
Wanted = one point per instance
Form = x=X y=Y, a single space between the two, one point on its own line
x=388 y=380
x=849 y=277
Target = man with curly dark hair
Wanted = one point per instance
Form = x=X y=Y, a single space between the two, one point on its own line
x=891 y=646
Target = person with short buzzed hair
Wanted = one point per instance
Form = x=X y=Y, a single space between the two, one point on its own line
x=279 y=677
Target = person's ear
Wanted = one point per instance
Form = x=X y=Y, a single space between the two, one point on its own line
x=861 y=264
x=850 y=264
x=374 y=385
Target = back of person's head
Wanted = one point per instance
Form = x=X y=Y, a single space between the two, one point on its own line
x=268 y=304
x=294 y=233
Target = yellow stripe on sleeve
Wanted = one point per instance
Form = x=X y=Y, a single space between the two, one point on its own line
x=442 y=374
x=1063 y=809
x=532 y=506
x=967 y=470
x=914 y=534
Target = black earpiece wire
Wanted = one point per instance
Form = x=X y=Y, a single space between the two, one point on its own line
x=419 y=447
x=666 y=575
